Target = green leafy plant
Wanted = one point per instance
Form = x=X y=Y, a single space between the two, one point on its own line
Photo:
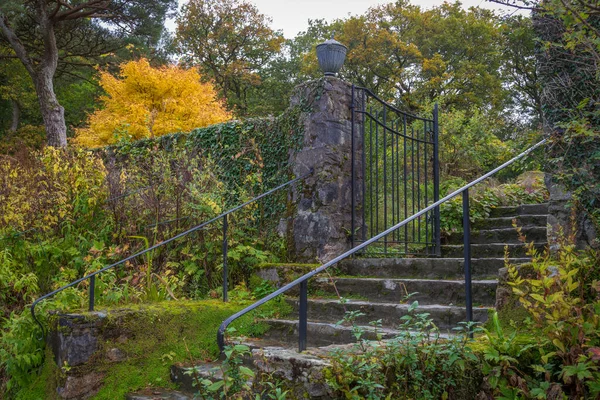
x=418 y=363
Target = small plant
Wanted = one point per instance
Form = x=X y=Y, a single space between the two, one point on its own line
x=236 y=380
x=418 y=363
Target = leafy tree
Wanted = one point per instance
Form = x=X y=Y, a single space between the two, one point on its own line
x=412 y=56
x=149 y=102
x=16 y=88
x=231 y=42
x=568 y=33
x=519 y=67
x=46 y=35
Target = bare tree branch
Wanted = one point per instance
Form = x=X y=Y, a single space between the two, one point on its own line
x=514 y=5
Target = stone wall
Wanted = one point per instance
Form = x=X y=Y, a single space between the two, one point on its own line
x=318 y=226
x=561 y=215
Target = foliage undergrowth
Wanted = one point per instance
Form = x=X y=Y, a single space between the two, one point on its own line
x=181 y=331
x=528 y=188
x=65 y=213
x=562 y=300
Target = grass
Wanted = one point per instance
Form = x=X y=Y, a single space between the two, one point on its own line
x=153 y=337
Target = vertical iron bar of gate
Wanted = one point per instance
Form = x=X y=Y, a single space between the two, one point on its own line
x=436 y=179
x=418 y=188
x=467 y=255
x=370 y=168
x=427 y=247
x=225 y=285
x=385 y=182
x=393 y=175
x=376 y=175
x=363 y=108
x=302 y=316
x=404 y=140
x=398 y=179
x=412 y=175
x=353 y=191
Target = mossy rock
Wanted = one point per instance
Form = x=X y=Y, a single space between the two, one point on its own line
x=136 y=345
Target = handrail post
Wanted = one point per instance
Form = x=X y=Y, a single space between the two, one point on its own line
x=353 y=172
x=302 y=316
x=92 y=290
x=436 y=180
x=225 y=285
x=467 y=255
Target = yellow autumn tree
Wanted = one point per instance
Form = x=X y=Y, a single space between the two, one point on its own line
x=147 y=102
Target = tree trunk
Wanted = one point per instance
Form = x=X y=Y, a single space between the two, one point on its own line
x=16 y=114
x=52 y=112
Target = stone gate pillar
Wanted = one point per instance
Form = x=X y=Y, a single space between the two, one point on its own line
x=320 y=218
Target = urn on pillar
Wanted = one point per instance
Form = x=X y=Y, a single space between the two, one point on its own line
x=331 y=55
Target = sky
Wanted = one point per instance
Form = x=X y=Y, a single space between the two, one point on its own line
x=291 y=16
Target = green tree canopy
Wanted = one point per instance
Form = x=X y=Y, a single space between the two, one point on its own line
x=231 y=42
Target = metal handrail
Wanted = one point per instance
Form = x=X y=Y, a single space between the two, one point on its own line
x=92 y=276
x=302 y=281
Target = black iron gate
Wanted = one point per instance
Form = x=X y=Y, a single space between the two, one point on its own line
x=398 y=160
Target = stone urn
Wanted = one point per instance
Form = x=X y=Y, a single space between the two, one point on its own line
x=331 y=55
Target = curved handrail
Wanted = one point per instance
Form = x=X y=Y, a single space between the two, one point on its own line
x=92 y=275
x=304 y=278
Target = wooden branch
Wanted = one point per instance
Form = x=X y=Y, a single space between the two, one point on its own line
x=95 y=5
x=580 y=18
x=17 y=46
x=506 y=3
x=595 y=9
x=88 y=14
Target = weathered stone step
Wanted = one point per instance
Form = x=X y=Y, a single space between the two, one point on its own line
x=302 y=371
x=188 y=378
x=506 y=222
x=525 y=209
x=158 y=394
x=490 y=250
x=425 y=291
x=502 y=235
x=445 y=317
x=426 y=268
x=321 y=333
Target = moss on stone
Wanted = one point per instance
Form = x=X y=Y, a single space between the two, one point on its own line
x=150 y=338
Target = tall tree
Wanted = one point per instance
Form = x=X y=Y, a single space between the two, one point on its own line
x=230 y=41
x=413 y=56
x=519 y=67
x=44 y=33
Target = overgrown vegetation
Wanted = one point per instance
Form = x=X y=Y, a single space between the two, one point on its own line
x=182 y=332
x=528 y=188
x=91 y=209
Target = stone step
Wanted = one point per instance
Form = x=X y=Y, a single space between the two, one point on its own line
x=331 y=310
x=188 y=378
x=425 y=291
x=158 y=394
x=321 y=333
x=502 y=235
x=302 y=371
x=426 y=268
x=506 y=222
x=525 y=209
x=490 y=250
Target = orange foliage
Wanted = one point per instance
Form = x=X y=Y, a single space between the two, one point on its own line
x=149 y=102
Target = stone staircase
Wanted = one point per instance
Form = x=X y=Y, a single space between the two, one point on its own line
x=378 y=288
